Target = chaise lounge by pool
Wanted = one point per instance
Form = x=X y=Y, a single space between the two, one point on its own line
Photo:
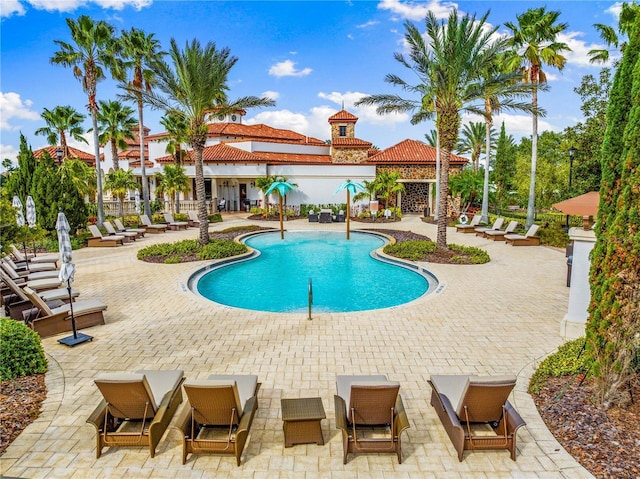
x=346 y=275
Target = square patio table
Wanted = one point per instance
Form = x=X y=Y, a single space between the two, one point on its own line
x=302 y=421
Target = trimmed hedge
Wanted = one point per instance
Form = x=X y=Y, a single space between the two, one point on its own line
x=570 y=358
x=21 y=352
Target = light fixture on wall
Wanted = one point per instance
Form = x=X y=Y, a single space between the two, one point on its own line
x=252 y=184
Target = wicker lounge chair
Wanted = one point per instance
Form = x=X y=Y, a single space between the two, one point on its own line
x=325 y=216
x=468 y=228
x=218 y=413
x=313 y=216
x=111 y=231
x=498 y=235
x=98 y=240
x=136 y=409
x=120 y=228
x=150 y=227
x=193 y=219
x=497 y=224
x=370 y=415
x=47 y=321
x=173 y=224
x=475 y=412
x=530 y=238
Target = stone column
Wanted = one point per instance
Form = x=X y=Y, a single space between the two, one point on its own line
x=574 y=322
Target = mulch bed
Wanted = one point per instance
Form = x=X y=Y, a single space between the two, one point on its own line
x=20 y=402
x=605 y=442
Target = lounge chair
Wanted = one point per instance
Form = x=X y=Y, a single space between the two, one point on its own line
x=325 y=216
x=29 y=267
x=136 y=409
x=313 y=216
x=469 y=227
x=193 y=219
x=17 y=301
x=497 y=224
x=27 y=275
x=48 y=321
x=111 y=231
x=149 y=227
x=173 y=224
x=120 y=228
x=340 y=217
x=98 y=240
x=475 y=412
x=498 y=235
x=42 y=258
x=218 y=413
x=530 y=238
x=370 y=415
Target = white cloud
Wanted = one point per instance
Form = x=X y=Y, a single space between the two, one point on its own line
x=274 y=95
x=614 y=10
x=516 y=125
x=11 y=7
x=12 y=107
x=8 y=151
x=579 y=48
x=417 y=10
x=287 y=68
x=368 y=24
x=365 y=114
x=284 y=119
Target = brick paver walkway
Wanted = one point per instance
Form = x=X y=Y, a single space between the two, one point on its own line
x=498 y=318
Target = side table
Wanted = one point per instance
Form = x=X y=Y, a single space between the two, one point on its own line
x=302 y=421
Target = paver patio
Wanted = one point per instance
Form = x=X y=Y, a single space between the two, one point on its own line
x=498 y=318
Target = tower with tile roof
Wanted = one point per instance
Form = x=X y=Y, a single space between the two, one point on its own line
x=345 y=147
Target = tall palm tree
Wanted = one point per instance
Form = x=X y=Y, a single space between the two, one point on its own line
x=447 y=67
x=172 y=181
x=535 y=39
x=140 y=53
x=92 y=52
x=176 y=128
x=60 y=120
x=120 y=182
x=609 y=35
x=472 y=141
x=197 y=84
x=116 y=124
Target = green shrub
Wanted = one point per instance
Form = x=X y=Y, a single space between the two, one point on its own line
x=218 y=249
x=568 y=359
x=158 y=218
x=187 y=250
x=476 y=255
x=413 y=250
x=246 y=228
x=21 y=352
x=181 y=217
x=553 y=234
x=215 y=218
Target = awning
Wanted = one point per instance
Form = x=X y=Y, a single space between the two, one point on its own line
x=583 y=205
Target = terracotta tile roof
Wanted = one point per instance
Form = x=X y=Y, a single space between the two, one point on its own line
x=295 y=158
x=347 y=142
x=136 y=164
x=259 y=132
x=133 y=154
x=411 y=152
x=343 y=115
x=73 y=153
x=224 y=153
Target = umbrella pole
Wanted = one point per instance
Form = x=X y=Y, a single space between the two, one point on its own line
x=73 y=319
x=348 y=210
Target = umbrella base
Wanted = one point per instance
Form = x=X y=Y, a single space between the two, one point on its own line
x=74 y=341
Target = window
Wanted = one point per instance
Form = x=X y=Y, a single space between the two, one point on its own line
x=343 y=131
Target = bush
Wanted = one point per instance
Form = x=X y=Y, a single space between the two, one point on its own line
x=413 y=250
x=190 y=250
x=553 y=234
x=569 y=359
x=21 y=352
x=218 y=249
x=215 y=218
x=476 y=255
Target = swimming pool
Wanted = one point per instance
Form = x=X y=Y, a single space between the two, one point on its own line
x=344 y=275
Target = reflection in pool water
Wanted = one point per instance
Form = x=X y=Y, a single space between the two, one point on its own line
x=345 y=276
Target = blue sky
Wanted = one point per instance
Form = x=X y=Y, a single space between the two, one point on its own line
x=311 y=57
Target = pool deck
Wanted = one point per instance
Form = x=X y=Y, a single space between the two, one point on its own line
x=499 y=318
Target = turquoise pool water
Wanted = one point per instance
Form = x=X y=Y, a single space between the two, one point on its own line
x=344 y=275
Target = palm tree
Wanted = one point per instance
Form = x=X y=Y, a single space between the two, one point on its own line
x=140 y=53
x=176 y=128
x=282 y=187
x=116 y=125
x=60 y=120
x=81 y=175
x=535 y=39
x=472 y=141
x=172 y=181
x=196 y=85
x=369 y=192
x=264 y=183
x=447 y=67
x=608 y=34
x=120 y=182
x=388 y=187
x=432 y=138
x=92 y=53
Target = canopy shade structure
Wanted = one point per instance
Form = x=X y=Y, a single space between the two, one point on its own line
x=583 y=205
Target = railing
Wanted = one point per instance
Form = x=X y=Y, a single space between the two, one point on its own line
x=111 y=208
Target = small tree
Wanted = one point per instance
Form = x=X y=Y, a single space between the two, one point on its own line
x=20 y=179
x=120 y=182
x=47 y=192
x=172 y=182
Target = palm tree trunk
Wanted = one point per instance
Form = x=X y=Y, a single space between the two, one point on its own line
x=200 y=191
x=281 y=225
x=63 y=145
x=143 y=172
x=484 y=218
x=94 y=124
x=114 y=155
x=443 y=218
x=531 y=205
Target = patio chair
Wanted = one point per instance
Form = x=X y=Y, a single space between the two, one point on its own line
x=218 y=413
x=17 y=301
x=41 y=258
x=340 y=217
x=120 y=228
x=313 y=216
x=173 y=224
x=370 y=415
x=48 y=321
x=469 y=227
x=150 y=227
x=498 y=235
x=111 y=231
x=530 y=238
x=475 y=412
x=136 y=409
x=497 y=224
x=27 y=275
x=325 y=216
x=98 y=240
x=193 y=219
x=29 y=267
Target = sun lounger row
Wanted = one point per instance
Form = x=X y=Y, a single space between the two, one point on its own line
x=218 y=413
x=495 y=233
